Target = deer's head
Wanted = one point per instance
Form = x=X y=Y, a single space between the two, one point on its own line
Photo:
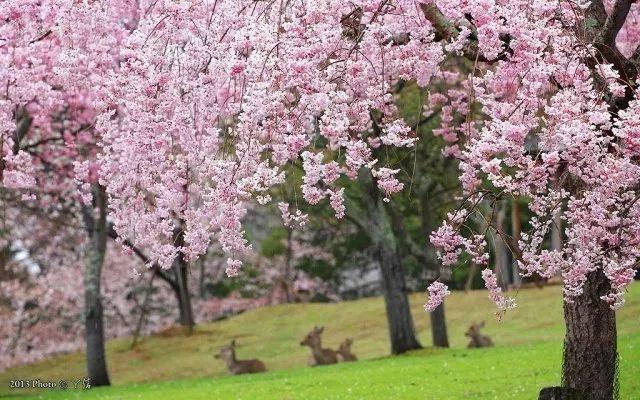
x=228 y=352
x=474 y=330
x=312 y=339
x=346 y=345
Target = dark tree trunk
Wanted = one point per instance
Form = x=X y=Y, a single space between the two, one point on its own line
x=181 y=270
x=385 y=248
x=560 y=393
x=590 y=352
x=96 y=227
x=183 y=296
x=516 y=234
x=439 y=327
x=178 y=282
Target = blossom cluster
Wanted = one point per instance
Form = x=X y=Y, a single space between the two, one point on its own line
x=548 y=120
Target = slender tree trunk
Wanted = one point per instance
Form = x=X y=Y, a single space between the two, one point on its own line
x=401 y=329
x=96 y=227
x=501 y=257
x=470 y=275
x=516 y=231
x=590 y=352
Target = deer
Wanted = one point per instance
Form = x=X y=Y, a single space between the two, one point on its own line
x=478 y=340
x=344 y=351
x=319 y=356
x=236 y=367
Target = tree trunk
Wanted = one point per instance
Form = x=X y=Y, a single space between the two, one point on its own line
x=181 y=270
x=590 y=353
x=434 y=270
x=439 y=327
x=502 y=265
x=183 y=296
x=385 y=248
x=560 y=393
x=96 y=227
x=470 y=275
x=516 y=234
x=178 y=283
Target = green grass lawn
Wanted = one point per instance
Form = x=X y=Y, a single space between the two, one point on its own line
x=527 y=355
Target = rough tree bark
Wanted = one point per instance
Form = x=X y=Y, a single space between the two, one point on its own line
x=181 y=269
x=385 y=247
x=590 y=348
x=96 y=227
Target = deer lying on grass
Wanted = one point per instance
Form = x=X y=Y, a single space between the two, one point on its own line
x=237 y=367
x=478 y=340
x=344 y=351
x=319 y=356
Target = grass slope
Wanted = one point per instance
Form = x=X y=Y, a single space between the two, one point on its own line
x=527 y=355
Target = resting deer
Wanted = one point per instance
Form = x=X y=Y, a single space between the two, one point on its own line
x=345 y=351
x=237 y=367
x=478 y=340
x=319 y=356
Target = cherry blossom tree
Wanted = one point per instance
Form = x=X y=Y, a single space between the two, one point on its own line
x=203 y=107
x=54 y=56
x=550 y=115
x=262 y=112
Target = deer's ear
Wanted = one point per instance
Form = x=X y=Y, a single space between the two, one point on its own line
x=321 y=329
x=233 y=343
x=481 y=324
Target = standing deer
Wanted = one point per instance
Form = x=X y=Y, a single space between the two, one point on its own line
x=345 y=351
x=237 y=367
x=478 y=340
x=319 y=356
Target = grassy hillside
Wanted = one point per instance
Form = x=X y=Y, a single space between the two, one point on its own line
x=527 y=355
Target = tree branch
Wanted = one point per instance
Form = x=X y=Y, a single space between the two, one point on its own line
x=446 y=30
x=615 y=20
x=143 y=257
